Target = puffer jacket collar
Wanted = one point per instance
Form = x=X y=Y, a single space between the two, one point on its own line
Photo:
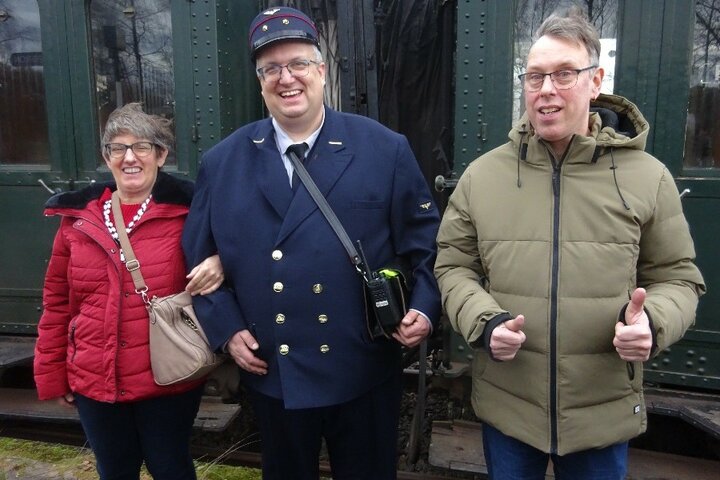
x=614 y=122
x=167 y=189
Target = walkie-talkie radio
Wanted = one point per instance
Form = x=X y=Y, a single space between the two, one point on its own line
x=383 y=299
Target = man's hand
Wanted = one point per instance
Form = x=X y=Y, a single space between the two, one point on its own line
x=507 y=338
x=633 y=339
x=412 y=330
x=206 y=277
x=242 y=347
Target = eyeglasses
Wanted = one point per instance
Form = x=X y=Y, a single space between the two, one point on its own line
x=139 y=149
x=562 y=79
x=296 y=68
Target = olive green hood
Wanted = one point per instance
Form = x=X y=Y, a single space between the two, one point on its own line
x=614 y=122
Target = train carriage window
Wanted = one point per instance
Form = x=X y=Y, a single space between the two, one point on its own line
x=531 y=13
x=23 y=117
x=133 y=57
x=702 y=131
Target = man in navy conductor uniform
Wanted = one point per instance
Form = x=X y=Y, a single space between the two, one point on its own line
x=293 y=316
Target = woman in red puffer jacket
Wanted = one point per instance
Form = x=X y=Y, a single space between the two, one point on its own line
x=92 y=350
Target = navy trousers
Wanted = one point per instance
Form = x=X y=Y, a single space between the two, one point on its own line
x=511 y=459
x=156 y=431
x=361 y=436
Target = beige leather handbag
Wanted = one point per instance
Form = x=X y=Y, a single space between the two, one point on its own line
x=179 y=349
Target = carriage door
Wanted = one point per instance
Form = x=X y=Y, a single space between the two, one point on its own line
x=669 y=65
x=30 y=153
x=698 y=360
x=64 y=66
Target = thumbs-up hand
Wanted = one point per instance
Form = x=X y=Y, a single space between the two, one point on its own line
x=506 y=338
x=633 y=339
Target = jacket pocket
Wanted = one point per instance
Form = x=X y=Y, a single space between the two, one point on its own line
x=71 y=340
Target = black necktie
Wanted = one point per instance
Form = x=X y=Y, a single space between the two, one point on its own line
x=298 y=149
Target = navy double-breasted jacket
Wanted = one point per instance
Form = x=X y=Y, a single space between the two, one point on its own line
x=290 y=281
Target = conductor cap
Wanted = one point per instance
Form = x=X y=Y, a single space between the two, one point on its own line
x=280 y=23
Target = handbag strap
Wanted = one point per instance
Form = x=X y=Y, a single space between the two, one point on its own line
x=327 y=211
x=131 y=263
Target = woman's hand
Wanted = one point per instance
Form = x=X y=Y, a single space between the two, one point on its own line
x=67 y=400
x=206 y=277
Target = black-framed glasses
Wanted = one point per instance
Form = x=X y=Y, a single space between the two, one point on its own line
x=139 y=149
x=562 y=79
x=296 y=68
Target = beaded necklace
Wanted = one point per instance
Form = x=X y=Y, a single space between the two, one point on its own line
x=111 y=227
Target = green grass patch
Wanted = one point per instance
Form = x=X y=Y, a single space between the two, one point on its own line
x=38 y=458
x=44 y=452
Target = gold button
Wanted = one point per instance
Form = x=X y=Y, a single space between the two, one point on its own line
x=276 y=254
x=324 y=349
x=284 y=349
x=318 y=288
x=322 y=318
x=278 y=286
x=279 y=318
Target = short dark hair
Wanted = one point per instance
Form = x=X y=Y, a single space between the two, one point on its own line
x=571 y=24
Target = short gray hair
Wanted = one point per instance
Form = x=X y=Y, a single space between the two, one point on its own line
x=316 y=50
x=130 y=119
x=572 y=25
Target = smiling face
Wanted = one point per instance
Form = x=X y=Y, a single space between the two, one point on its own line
x=295 y=102
x=555 y=114
x=135 y=176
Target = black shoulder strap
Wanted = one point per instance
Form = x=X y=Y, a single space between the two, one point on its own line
x=326 y=210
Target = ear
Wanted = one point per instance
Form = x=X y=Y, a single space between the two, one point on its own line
x=597 y=82
x=162 y=157
x=321 y=70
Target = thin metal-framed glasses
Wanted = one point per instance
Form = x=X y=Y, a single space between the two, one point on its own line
x=296 y=68
x=564 y=79
x=139 y=149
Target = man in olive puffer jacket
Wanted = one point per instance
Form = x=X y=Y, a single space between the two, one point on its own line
x=565 y=261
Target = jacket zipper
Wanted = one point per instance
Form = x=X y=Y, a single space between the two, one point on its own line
x=557 y=167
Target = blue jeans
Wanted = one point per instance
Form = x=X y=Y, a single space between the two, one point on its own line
x=156 y=431
x=511 y=459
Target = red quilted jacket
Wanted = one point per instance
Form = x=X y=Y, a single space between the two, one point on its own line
x=93 y=333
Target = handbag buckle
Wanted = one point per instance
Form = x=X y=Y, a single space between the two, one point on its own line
x=132 y=265
x=143 y=293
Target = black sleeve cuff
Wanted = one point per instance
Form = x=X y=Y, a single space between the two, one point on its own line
x=484 y=340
